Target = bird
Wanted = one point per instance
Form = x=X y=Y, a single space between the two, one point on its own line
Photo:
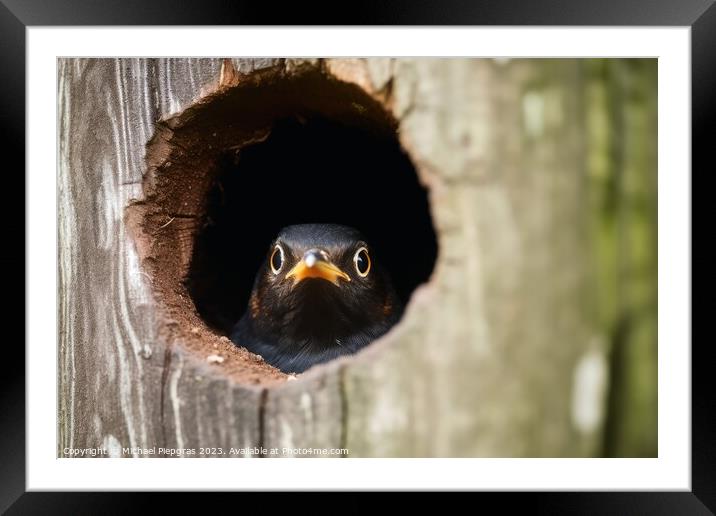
x=319 y=294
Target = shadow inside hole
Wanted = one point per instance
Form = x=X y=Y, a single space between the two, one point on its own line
x=308 y=170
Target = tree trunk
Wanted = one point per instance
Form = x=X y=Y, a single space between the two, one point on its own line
x=500 y=354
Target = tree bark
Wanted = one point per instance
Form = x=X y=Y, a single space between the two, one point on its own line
x=498 y=355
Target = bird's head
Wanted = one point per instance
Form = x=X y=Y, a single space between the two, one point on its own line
x=321 y=280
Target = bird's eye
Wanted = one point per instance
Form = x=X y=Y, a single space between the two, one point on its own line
x=276 y=260
x=362 y=262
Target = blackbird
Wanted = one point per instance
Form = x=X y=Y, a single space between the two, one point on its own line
x=319 y=294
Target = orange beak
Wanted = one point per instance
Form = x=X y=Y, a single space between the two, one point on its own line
x=315 y=264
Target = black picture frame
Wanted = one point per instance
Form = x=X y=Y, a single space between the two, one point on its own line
x=17 y=15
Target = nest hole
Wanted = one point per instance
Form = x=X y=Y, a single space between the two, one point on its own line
x=273 y=150
x=308 y=170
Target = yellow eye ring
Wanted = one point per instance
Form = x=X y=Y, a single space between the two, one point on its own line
x=277 y=259
x=362 y=263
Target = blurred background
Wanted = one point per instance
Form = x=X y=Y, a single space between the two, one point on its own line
x=621 y=110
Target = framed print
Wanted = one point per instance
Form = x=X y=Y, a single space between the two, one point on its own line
x=431 y=257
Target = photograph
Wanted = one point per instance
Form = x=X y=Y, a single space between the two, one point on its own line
x=435 y=249
x=346 y=257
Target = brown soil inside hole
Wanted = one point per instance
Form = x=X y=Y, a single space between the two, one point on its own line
x=182 y=158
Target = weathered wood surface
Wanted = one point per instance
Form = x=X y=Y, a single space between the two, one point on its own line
x=497 y=356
